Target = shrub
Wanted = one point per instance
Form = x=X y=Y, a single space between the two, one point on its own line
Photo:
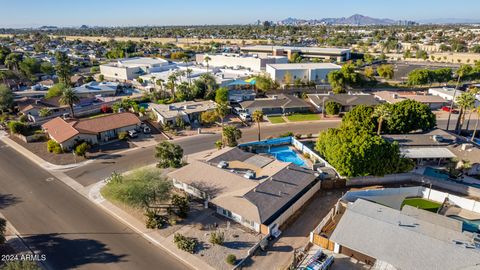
x=332 y=108
x=286 y=134
x=231 y=259
x=122 y=135
x=217 y=238
x=54 y=147
x=306 y=155
x=298 y=136
x=309 y=135
x=16 y=127
x=154 y=220
x=182 y=204
x=23 y=118
x=81 y=149
x=185 y=243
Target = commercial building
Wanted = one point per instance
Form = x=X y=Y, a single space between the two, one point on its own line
x=254 y=190
x=131 y=68
x=94 y=131
x=288 y=73
x=336 y=54
x=445 y=93
x=432 y=101
x=241 y=61
x=189 y=111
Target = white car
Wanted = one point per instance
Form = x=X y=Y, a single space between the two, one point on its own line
x=245 y=117
x=132 y=134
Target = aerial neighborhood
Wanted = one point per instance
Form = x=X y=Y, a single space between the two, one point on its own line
x=335 y=143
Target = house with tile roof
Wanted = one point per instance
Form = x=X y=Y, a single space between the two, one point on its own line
x=94 y=130
x=255 y=190
x=276 y=104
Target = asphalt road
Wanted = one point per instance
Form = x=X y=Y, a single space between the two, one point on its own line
x=102 y=168
x=70 y=230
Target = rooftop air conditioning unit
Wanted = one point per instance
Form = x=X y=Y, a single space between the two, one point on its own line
x=466 y=146
x=437 y=138
x=250 y=175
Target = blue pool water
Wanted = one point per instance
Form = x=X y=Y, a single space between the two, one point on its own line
x=436 y=173
x=468 y=225
x=285 y=154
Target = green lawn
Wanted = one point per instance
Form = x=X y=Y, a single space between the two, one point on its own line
x=276 y=119
x=422 y=204
x=298 y=117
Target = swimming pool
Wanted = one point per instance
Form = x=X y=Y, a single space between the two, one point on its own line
x=436 y=173
x=468 y=225
x=285 y=154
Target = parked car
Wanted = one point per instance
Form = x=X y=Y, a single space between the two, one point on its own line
x=132 y=134
x=245 y=117
x=448 y=109
x=146 y=130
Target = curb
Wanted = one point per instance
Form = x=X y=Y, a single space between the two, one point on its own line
x=96 y=197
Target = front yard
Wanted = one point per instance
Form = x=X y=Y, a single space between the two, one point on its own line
x=277 y=119
x=299 y=117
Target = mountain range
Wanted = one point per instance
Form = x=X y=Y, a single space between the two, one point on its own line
x=355 y=19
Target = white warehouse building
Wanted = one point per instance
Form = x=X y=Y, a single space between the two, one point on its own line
x=316 y=72
x=131 y=68
x=241 y=61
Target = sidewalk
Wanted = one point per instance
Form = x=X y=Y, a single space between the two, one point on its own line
x=38 y=160
x=152 y=235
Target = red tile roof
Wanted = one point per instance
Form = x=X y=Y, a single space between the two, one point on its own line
x=61 y=130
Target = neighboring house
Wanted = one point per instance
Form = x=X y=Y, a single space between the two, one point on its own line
x=276 y=104
x=316 y=72
x=237 y=96
x=94 y=131
x=438 y=146
x=237 y=61
x=433 y=101
x=94 y=88
x=77 y=80
x=47 y=83
x=347 y=101
x=189 y=111
x=131 y=68
x=337 y=54
x=255 y=190
x=406 y=239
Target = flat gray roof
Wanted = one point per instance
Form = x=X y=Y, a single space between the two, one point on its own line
x=406 y=240
x=427 y=152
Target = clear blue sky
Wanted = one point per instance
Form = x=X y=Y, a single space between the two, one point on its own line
x=23 y=13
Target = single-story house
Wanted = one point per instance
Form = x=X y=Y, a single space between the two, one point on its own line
x=237 y=96
x=276 y=104
x=446 y=93
x=347 y=101
x=189 y=111
x=94 y=88
x=254 y=190
x=94 y=130
x=433 y=101
x=406 y=239
x=437 y=146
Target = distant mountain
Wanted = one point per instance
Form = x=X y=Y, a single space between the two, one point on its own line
x=355 y=19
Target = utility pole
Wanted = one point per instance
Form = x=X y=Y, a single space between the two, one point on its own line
x=453 y=101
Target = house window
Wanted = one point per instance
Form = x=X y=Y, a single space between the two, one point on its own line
x=226 y=213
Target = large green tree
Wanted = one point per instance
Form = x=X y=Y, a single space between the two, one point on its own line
x=386 y=71
x=169 y=155
x=6 y=98
x=409 y=115
x=346 y=76
x=359 y=152
x=63 y=67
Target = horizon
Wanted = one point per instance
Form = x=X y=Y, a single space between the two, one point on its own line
x=151 y=13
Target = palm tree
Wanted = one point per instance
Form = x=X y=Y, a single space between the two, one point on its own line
x=221 y=111
x=477 y=110
x=69 y=97
x=466 y=101
x=160 y=83
x=172 y=79
x=382 y=112
x=44 y=112
x=463 y=71
x=230 y=135
x=189 y=73
x=475 y=92
x=207 y=59
x=258 y=117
